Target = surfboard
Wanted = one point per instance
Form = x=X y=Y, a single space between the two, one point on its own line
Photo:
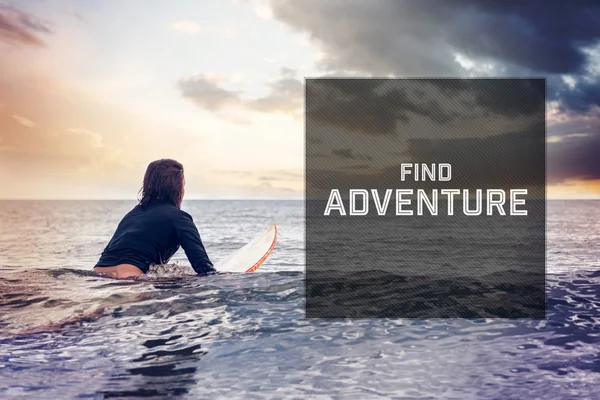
x=252 y=255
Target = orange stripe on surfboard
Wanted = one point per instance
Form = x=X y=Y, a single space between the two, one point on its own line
x=267 y=254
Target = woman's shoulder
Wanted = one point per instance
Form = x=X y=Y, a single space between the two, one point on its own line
x=175 y=213
x=185 y=215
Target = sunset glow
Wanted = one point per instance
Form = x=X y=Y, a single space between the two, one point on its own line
x=91 y=92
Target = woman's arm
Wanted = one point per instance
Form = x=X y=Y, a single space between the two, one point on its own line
x=189 y=238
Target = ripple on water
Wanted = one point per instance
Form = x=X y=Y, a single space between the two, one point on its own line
x=183 y=334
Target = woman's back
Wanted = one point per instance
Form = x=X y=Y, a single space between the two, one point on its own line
x=153 y=231
x=145 y=236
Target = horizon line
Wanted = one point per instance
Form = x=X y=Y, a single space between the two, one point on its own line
x=129 y=199
x=224 y=199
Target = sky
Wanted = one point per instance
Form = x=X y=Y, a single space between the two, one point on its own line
x=92 y=91
x=363 y=133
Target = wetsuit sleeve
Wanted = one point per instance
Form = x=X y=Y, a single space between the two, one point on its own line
x=189 y=238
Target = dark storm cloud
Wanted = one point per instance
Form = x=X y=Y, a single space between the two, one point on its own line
x=19 y=27
x=509 y=38
x=574 y=157
x=543 y=36
x=503 y=97
x=377 y=106
x=344 y=153
x=348 y=154
x=577 y=99
x=358 y=105
x=422 y=38
x=508 y=161
x=349 y=104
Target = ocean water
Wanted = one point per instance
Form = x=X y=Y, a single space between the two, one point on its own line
x=68 y=333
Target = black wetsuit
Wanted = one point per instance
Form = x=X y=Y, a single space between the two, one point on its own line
x=151 y=235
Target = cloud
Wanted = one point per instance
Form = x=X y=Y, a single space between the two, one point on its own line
x=572 y=141
x=492 y=132
x=96 y=139
x=479 y=149
x=580 y=97
x=50 y=146
x=279 y=180
x=80 y=18
x=396 y=36
x=266 y=185
x=556 y=138
x=24 y=121
x=510 y=160
x=574 y=157
x=19 y=27
x=274 y=175
x=349 y=154
x=227 y=32
x=189 y=27
x=380 y=107
x=284 y=183
x=80 y=141
x=286 y=95
x=359 y=105
x=235 y=173
x=456 y=38
x=205 y=90
x=262 y=9
x=573 y=144
x=467 y=38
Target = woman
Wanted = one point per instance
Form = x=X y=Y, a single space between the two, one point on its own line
x=153 y=231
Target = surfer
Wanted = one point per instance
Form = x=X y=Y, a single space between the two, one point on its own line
x=155 y=228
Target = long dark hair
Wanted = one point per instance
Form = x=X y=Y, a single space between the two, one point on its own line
x=163 y=180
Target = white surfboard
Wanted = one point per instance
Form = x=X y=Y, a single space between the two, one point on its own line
x=252 y=255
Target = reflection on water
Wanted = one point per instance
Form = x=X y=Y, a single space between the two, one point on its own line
x=236 y=334
x=148 y=336
x=68 y=333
